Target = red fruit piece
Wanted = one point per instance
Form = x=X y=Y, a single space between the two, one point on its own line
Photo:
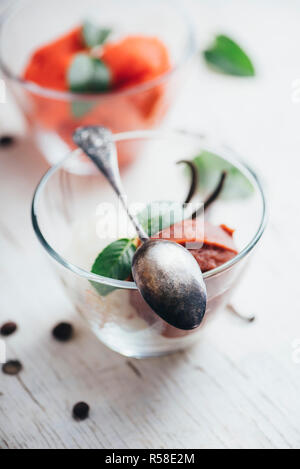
x=135 y=59
x=49 y=64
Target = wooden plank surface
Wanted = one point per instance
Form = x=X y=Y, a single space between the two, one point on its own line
x=239 y=387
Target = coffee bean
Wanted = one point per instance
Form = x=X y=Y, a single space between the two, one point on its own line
x=81 y=411
x=6 y=141
x=63 y=332
x=8 y=328
x=12 y=367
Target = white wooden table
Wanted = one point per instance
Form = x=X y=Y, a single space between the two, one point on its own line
x=239 y=388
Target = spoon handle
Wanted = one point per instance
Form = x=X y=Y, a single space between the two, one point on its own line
x=97 y=143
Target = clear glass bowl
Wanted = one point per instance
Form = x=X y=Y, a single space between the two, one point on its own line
x=53 y=116
x=74 y=217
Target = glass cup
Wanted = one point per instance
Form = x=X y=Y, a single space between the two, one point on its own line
x=74 y=217
x=53 y=116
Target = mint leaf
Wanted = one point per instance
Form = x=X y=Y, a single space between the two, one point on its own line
x=81 y=108
x=210 y=166
x=160 y=215
x=94 y=35
x=88 y=75
x=114 y=262
x=228 y=57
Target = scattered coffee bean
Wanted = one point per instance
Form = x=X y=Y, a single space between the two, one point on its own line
x=63 y=332
x=6 y=141
x=8 y=329
x=81 y=411
x=12 y=367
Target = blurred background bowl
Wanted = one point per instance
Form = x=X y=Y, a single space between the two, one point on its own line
x=52 y=115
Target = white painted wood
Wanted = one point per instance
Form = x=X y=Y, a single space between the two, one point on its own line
x=239 y=388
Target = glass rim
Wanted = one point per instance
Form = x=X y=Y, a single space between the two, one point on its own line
x=143 y=134
x=188 y=53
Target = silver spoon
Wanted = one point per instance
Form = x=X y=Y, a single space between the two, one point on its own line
x=166 y=274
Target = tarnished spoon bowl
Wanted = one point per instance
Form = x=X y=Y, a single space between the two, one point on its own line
x=171 y=282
